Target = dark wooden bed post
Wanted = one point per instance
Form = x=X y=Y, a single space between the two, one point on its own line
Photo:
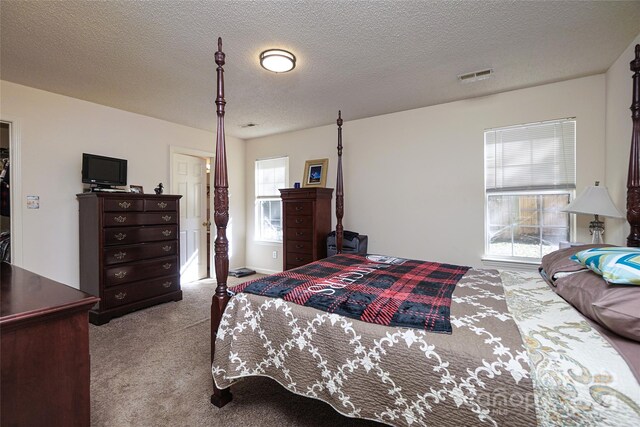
x=339 y=189
x=221 y=217
x=633 y=179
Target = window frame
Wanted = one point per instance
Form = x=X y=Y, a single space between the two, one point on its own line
x=568 y=190
x=257 y=235
x=519 y=259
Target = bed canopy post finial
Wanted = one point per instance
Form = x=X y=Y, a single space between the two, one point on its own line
x=633 y=178
x=221 y=218
x=339 y=190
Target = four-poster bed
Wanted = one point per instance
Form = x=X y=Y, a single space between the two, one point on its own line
x=516 y=354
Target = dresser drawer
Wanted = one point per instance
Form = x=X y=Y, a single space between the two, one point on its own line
x=297 y=259
x=299 y=208
x=138 y=291
x=300 y=221
x=123 y=205
x=294 y=233
x=128 y=235
x=300 y=246
x=115 y=219
x=160 y=205
x=120 y=254
x=125 y=273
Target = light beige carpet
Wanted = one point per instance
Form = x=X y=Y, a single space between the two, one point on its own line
x=151 y=368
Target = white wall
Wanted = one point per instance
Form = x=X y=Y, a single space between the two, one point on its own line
x=315 y=143
x=54 y=132
x=618 y=140
x=414 y=179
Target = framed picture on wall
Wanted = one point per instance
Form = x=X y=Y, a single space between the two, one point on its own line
x=315 y=173
x=136 y=189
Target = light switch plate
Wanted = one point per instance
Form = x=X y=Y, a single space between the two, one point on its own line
x=33 y=202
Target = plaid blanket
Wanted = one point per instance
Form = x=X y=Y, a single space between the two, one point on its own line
x=376 y=289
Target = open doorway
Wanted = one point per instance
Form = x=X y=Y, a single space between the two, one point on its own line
x=190 y=179
x=10 y=148
x=5 y=192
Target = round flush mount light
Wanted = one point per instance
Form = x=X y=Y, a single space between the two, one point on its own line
x=277 y=60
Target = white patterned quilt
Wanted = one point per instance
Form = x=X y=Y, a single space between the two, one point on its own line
x=518 y=355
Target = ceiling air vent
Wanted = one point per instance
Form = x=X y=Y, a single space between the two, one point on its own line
x=476 y=76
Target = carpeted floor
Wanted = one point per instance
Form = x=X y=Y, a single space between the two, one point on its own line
x=151 y=368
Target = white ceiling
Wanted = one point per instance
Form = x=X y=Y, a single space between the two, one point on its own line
x=364 y=57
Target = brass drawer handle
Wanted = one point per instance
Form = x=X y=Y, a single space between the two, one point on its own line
x=299 y=221
x=120 y=296
x=162 y=205
x=299 y=259
x=120 y=236
x=299 y=233
x=120 y=255
x=166 y=265
x=167 y=218
x=120 y=274
x=120 y=218
x=166 y=233
x=298 y=208
x=299 y=246
x=166 y=248
x=167 y=284
x=124 y=205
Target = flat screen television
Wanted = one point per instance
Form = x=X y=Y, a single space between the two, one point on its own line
x=103 y=171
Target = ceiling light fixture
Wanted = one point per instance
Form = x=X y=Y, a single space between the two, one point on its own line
x=277 y=60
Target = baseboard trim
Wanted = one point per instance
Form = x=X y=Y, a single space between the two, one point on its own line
x=264 y=270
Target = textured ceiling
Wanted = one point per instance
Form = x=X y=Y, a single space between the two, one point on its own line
x=366 y=58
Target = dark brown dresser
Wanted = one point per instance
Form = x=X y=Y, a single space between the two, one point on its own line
x=44 y=335
x=129 y=251
x=307 y=221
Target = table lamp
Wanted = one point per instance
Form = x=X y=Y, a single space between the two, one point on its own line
x=594 y=200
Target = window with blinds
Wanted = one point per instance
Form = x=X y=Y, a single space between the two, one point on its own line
x=270 y=176
x=530 y=174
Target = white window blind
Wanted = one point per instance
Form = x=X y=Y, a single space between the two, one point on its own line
x=537 y=156
x=270 y=176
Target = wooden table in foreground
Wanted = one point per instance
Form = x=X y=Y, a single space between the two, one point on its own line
x=44 y=335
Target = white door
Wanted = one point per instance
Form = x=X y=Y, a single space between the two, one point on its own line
x=189 y=180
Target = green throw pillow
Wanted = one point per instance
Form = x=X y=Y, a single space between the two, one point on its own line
x=617 y=265
x=623 y=269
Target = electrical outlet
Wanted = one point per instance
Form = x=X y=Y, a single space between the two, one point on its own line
x=275 y=254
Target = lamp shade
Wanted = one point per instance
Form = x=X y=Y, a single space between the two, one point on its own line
x=594 y=200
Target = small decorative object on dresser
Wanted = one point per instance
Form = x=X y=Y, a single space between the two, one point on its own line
x=159 y=189
x=307 y=222
x=129 y=251
x=136 y=189
x=315 y=173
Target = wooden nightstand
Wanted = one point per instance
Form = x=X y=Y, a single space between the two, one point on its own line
x=564 y=245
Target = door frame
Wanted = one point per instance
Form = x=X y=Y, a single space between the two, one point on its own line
x=174 y=149
x=15 y=176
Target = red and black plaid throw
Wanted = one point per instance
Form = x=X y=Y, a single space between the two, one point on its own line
x=375 y=289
